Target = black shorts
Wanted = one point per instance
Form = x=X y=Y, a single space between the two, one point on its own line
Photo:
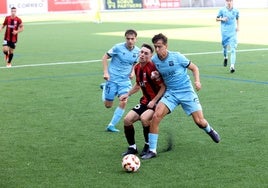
x=9 y=44
x=140 y=108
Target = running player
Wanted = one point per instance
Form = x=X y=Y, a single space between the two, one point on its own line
x=13 y=26
x=229 y=18
x=152 y=90
x=118 y=74
x=179 y=91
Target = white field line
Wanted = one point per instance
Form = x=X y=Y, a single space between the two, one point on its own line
x=50 y=64
x=98 y=60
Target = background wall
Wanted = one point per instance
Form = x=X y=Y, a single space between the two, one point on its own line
x=44 y=6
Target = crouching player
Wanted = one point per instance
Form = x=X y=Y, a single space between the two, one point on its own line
x=152 y=90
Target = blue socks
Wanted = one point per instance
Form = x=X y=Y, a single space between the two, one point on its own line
x=233 y=55
x=118 y=113
x=153 y=142
x=207 y=129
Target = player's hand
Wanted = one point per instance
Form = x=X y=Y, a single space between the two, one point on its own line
x=197 y=86
x=106 y=76
x=151 y=104
x=132 y=75
x=124 y=97
x=14 y=32
x=224 y=19
x=155 y=75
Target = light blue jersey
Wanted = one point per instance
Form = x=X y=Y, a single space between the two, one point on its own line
x=122 y=62
x=179 y=89
x=174 y=71
x=228 y=28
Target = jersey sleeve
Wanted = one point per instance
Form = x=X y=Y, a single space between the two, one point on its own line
x=137 y=51
x=136 y=70
x=220 y=14
x=183 y=60
x=20 y=22
x=237 y=14
x=112 y=51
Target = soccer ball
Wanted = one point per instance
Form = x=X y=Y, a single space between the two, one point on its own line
x=131 y=163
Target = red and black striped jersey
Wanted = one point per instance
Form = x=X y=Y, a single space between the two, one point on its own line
x=149 y=87
x=11 y=23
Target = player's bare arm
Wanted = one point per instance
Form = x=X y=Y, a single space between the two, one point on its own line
x=237 y=25
x=132 y=74
x=160 y=93
x=134 y=89
x=20 y=29
x=2 y=27
x=105 y=58
x=195 y=72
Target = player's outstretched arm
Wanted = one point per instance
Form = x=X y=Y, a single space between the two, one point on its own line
x=133 y=90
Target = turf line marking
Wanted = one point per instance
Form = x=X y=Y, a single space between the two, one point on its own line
x=234 y=79
x=219 y=52
x=98 y=60
x=51 y=77
x=49 y=64
x=53 y=22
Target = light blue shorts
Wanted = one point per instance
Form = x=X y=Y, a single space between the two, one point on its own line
x=188 y=100
x=113 y=89
x=229 y=40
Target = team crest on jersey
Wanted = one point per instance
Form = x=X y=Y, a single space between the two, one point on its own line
x=171 y=63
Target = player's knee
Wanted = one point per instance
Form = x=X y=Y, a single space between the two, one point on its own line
x=127 y=121
x=144 y=122
x=157 y=116
x=108 y=104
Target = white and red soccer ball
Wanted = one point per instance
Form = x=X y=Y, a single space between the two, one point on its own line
x=131 y=163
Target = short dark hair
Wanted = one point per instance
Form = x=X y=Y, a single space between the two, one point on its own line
x=158 y=37
x=131 y=32
x=148 y=46
x=13 y=8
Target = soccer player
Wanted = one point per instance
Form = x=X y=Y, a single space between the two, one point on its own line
x=152 y=90
x=13 y=26
x=179 y=91
x=229 y=18
x=96 y=10
x=118 y=74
